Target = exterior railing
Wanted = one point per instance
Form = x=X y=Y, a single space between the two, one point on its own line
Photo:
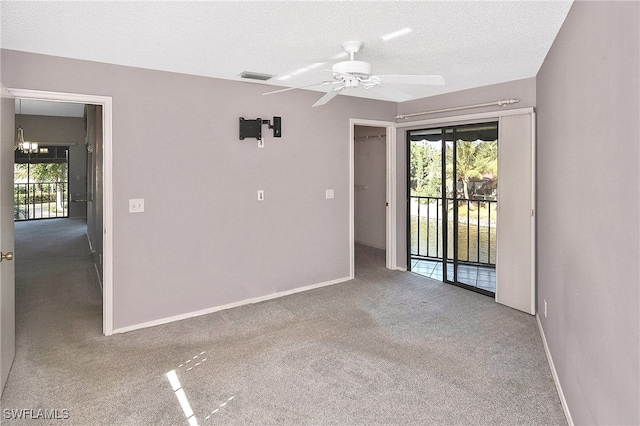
x=477 y=221
x=40 y=200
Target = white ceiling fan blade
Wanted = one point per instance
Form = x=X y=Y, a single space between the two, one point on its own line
x=412 y=79
x=391 y=93
x=301 y=87
x=330 y=95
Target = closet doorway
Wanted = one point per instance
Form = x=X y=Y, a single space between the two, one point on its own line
x=370 y=177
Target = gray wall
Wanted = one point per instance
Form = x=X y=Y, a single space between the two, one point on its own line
x=204 y=239
x=371 y=186
x=588 y=210
x=524 y=90
x=62 y=130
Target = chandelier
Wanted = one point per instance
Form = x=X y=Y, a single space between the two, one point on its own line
x=26 y=147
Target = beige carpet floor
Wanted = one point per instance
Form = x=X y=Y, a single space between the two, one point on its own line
x=389 y=347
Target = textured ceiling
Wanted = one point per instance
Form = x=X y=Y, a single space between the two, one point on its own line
x=470 y=44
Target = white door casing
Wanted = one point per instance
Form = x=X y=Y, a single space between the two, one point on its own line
x=107 y=242
x=391 y=156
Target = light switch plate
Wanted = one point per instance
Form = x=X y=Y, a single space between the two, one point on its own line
x=136 y=205
x=329 y=193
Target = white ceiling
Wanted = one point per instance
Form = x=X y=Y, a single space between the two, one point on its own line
x=469 y=43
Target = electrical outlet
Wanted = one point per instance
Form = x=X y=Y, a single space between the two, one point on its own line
x=136 y=205
x=261 y=143
x=329 y=193
x=260 y=195
x=545 y=308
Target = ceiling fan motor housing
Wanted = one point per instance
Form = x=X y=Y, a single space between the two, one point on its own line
x=356 y=69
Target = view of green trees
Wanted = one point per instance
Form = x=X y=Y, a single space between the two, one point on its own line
x=40 y=172
x=40 y=190
x=475 y=188
x=426 y=169
x=477 y=161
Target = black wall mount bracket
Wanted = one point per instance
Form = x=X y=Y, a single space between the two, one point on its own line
x=253 y=128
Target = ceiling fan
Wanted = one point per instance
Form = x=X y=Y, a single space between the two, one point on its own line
x=350 y=74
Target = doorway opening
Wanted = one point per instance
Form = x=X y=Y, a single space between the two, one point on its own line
x=452 y=197
x=370 y=193
x=100 y=108
x=58 y=166
x=385 y=133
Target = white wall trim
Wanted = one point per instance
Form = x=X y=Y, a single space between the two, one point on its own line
x=554 y=373
x=95 y=267
x=391 y=196
x=107 y=132
x=392 y=207
x=467 y=117
x=228 y=306
x=534 y=213
x=352 y=199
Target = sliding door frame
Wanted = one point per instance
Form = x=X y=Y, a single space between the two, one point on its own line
x=475 y=119
x=448 y=134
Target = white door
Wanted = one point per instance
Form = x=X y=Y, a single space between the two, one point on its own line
x=7 y=271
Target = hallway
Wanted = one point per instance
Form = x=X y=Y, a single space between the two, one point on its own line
x=57 y=289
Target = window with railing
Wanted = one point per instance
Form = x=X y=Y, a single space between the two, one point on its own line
x=453 y=175
x=476 y=229
x=41 y=183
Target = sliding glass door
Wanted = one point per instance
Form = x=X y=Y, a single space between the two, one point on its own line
x=452 y=197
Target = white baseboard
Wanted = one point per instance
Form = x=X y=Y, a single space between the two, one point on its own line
x=556 y=380
x=95 y=266
x=228 y=306
x=99 y=279
x=89 y=241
